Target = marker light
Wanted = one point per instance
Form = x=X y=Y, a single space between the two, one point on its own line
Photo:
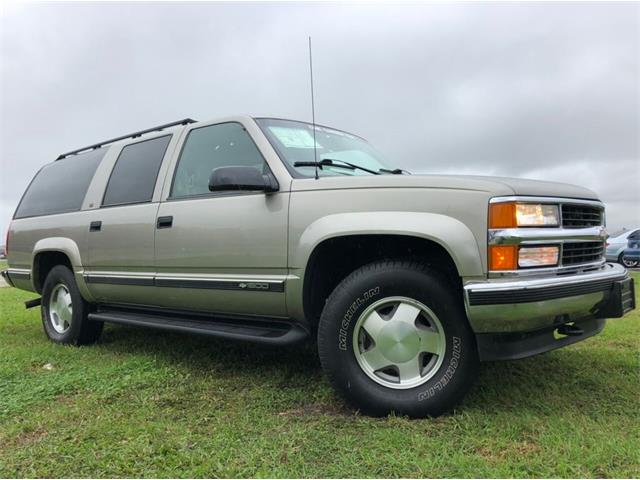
x=502 y=257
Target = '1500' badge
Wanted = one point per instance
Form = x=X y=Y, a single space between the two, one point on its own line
x=254 y=286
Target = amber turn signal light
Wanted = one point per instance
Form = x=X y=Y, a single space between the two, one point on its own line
x=503 y=257
x=502 y=215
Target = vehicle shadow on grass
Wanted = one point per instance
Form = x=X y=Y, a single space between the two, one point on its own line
x=575 y=378
x=201 y=353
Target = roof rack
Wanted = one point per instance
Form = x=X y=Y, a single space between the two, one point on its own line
x=95 y=146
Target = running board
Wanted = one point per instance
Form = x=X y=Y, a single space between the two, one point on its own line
x=266 y=332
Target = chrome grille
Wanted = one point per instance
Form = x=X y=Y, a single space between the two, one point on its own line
x=576 y=253
x=581 y=216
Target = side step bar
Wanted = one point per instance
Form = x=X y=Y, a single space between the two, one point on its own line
x=268 y=332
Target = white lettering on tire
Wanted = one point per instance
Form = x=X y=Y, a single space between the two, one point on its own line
x=448 y=374
x=346 y=319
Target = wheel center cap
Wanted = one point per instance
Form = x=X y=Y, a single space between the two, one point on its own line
x=399 y=342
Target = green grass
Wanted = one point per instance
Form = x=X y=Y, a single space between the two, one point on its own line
x=153 y=404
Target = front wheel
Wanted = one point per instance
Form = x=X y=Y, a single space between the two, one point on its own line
x=393 y=337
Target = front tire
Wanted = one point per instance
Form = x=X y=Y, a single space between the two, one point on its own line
x=64 y=311
x=393 y=337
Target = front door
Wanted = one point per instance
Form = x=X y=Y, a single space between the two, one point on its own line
x=223 y=252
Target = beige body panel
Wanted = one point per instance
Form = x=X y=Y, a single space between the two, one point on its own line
x=224 y=237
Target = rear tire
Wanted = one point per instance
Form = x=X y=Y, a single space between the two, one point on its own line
x=64 y=311
x=380 y=321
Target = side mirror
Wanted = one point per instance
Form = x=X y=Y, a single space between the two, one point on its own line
x=241 y=178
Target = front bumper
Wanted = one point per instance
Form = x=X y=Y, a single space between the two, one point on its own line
x=526 y=305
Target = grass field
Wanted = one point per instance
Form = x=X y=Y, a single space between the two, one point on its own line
x=153 y=404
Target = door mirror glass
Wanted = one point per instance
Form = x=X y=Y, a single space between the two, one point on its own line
x=241 y=178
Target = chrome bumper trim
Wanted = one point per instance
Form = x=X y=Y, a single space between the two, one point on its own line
x=609 y=271
x=529 y=304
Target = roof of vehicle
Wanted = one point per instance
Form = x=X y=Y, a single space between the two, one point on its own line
x=183 y=122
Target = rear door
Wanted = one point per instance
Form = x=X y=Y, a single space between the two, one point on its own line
x=121 y=231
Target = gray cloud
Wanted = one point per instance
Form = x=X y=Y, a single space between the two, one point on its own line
x=546 y=91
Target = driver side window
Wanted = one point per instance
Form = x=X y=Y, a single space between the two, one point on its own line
x=208 y=148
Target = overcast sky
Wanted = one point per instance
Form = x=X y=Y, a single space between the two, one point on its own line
x=547 y=91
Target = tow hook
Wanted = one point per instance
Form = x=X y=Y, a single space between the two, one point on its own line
x=570 y=330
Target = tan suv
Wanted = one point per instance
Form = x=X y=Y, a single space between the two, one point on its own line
x=276 y=231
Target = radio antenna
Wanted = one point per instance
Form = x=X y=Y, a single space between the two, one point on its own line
x=313 y=112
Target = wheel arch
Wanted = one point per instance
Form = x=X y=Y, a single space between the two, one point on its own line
x=371 y=236
x=49 y=252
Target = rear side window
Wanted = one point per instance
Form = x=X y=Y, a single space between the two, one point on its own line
x=61 y=186
x=134 y=175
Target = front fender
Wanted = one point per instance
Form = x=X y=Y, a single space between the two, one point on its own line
x=453 y=235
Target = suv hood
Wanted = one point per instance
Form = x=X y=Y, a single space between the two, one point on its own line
x=495 y=186
x=539 y=188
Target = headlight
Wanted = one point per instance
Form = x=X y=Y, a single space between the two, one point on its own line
x=538 y=256
x=513 y=214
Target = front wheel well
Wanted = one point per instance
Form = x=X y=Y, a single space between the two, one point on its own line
x=44 y=262
x=335 y=258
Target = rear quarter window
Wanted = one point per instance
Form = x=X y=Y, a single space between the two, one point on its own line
x=61 y=186
x=134 y=175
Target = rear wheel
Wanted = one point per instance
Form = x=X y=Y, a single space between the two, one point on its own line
x=393 y=337
x=64 y=311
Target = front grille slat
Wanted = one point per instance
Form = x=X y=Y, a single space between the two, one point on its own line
x=581 y=216
x=576 y=253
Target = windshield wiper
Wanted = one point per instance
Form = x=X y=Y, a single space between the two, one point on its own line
x=395 y=171
x=329 y=162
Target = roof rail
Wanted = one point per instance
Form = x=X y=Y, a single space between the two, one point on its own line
x=95 y=146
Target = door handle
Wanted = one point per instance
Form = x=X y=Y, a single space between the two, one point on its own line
x=95 y=226
x=165 y=222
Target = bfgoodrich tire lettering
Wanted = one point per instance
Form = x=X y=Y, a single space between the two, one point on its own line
x=64 y=311
x=433 y=391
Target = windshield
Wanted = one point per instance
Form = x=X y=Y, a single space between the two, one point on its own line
x=294 y=143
